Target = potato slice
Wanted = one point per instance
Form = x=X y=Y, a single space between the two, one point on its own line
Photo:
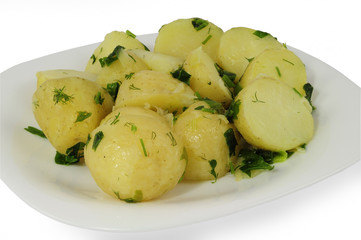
x=281 y=64
x=68 y=109
x=111 y=40
x=158 y=61
x=155 y=90
x=210 y=141
x=238 y=46
x=273 y=116
x=205 y=78
x=134 y=155
x=43 y=76
x=182 y=36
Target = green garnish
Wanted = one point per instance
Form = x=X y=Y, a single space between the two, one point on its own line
x=97 y=139
x=130 y=34
x=71 y=156
x=112 y=89
x=204 y=109
x=132 y=57
x=227 y=77
x=88 y=140
x=35 y=131
x=231 y=141
x=36 y=104
x=250 y=59
x=288 y=61
x=138 y=197
x=82 y=116
x=278 y=72
x=213 y=164
x=145 y=48
x=199 y=23
x=116 y=119
x=132 y=87
x=252 y=161
x=172 y=139
x=309 y=90
x=60 y=96
x=129 y=76
x=237 y=89
x=207 y=39
x=94 y=58
x=98 y=99
x=181 y=75
x=143 y=147
x=298 y=93
x=260 y=34
x=212 y=104
x=132 y=126
x=233 y=110
x=107 y=61
x=256 y=99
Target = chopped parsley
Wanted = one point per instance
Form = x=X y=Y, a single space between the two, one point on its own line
x=132 y=87
x=260 y=34
x=288 y=61
x=116 y=119
x=181 y=75
x=227 y=77
x=256 y=100
x=130 y=34
x=296 y=91
x=250 y=59
x=132 y=57
x=107 y=61
x=61 y=96
x=143 y=147
x=309 y=90
x=71 y=156
x=132 y=126
x=204 y=109
x=129 y=76
x=98 y=99
x=172 y=139
x=213 y=164
x=207 y=39
x=278 y=72
x=112 y=89
x=216 y=106
x=93 y=58
x=233 y=110
x=97 y=139
x=231 y=141
x=82 y=116
x=138 y=197
x=35 y=131
x=199 y=23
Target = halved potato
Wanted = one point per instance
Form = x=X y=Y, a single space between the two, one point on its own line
x=238 y=46
x=180 y=37
x=43 y=76
x=155 y=90
x=273 y=116
x=281 y=64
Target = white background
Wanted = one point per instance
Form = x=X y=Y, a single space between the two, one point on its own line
x=328 y=30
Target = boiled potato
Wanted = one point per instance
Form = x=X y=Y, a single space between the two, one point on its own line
x=181 y=36
x=43 y=76
x=111 y=40
x=273 y=116
x=158 y=61
x=238 y=46
x=154 y=89
x=68 y=109
x=134 y=155
x=126 y=64
x=281 y=64
x=205 y=78
x=209 y=139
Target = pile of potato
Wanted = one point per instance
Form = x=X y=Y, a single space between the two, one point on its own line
x=148 y=119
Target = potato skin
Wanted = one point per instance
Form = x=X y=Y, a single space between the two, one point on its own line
x=204 y=140
x=59 y=120
x=273 y=116
x=139 y=153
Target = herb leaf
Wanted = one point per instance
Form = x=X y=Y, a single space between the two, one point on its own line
x=213 y=164
x=73 y=155
x=227 y=77
x=199 y=23
x=212 y=104
x=35 y=131
x=97 y=139
x=207 y=39
x=309 y=90
x=260 y=34
x=181 y=75
x=98 y=99
x=130 y=34
x=231 y=141
x=143 y=147
x=233 y=110
x=82 y=116
x=60 y=96
x=253 y=161
x=171 y=137
x=112 y=89
x=107 y=61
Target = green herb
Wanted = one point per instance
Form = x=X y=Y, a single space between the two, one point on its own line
x=260 y=34
x=130 y=34
x=284 y=45
x=199 y=23
x=129 y=76
x=112 y=89
x=132 y=87
x=250 y=59
x=145 y=48
x=36 y=104
x=97 y=139
x=94 y=58
x=231 y=141
x=107 y=61
x=278 y=72
x=71 y=156
x=98 y=99
x=138 y=197
x=216 y=106
x=116 y=119
x=82 y=116
x=204 y=109
x=207 y=39
x=256 y=99
x=88 y=140
x=252 y=161
x=298 y=93
x=213 y=164
x=172 y=139
x=227 y=77
x=237 y=89
x=132 y=126
x=60 y=96
x=181 y=75
x=143 y=147
x=288 y=61
x=309 y=90
x=233 y=110
x=35 y=131
x=132 y=57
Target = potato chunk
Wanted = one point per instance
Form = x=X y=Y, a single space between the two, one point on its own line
x=273 y=116
x=68 y=109
x=154 y=89
x=134 y=155
x=182 y=36
x=43 y=76
x=238 y=46
x=280 y=64
x=209 y=139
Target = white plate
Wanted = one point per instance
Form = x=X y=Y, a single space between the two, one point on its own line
x=69 y=194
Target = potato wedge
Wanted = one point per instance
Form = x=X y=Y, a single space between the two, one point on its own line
x=43 y=76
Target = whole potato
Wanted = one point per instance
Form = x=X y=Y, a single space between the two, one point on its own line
x=134 y=155
x=68 y=109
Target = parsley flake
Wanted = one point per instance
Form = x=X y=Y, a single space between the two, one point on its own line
x=199 y=23
x=82 y=116
x=35 y=131
x=107 y=61
x=61 y=96
x=260 y=34
x=97 y=139
x=98 y=99
x=181 y=75
x=213 y=164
